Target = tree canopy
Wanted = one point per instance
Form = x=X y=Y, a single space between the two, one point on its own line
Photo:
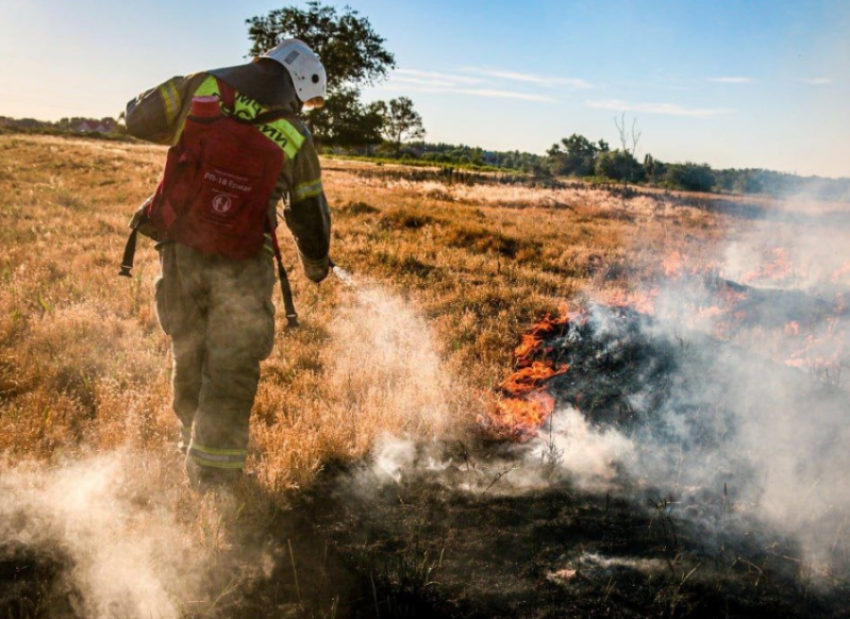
x=401 y=122
x=575 y=155
x=346 y=121
x=351 y=51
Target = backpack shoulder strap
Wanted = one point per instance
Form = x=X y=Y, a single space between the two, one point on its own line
x=228 y=98
x=268 y=116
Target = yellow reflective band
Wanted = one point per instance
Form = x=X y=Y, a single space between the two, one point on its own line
x=284 y=134
x=220 y=452
x=307 y=190
x=218 y=458
x=280 y=131
x=213 y=464
x=208 y=88
x=246 y=108
x=170 y=100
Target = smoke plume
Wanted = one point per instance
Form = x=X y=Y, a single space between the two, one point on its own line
x=124 y=549
x=735 y=398
x=728 y=401
x=386 y=366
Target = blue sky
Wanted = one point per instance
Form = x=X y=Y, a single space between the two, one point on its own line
x=731 y=83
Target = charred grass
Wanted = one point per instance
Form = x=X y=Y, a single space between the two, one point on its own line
x=554 y=553
x=84 y=369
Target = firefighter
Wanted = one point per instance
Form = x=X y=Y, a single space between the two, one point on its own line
x=218 y=310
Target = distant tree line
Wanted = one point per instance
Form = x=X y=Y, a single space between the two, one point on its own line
x=76 y=124
x=461 y=155
x=578 y=157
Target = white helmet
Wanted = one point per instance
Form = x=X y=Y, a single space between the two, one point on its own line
x=305 y=69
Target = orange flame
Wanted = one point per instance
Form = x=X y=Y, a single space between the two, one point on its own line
x=823 y=352
x=522 y=416
x=777 y=267
x=840 y=272
x=674 y=264
x=528 y=379
x=531 y=341
x=526 y=406
x=529 y=346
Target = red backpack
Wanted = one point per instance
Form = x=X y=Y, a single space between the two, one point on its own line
x=215 y=189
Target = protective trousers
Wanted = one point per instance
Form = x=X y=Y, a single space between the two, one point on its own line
x=220 y=316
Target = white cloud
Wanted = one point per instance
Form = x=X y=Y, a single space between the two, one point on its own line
x=507 y=94
x=434 y=75
x=531 y=78
x=475 y=92
x=422 y=81
x=482 y=85
x=731 y=80
x=667 y=109
x=818 y=81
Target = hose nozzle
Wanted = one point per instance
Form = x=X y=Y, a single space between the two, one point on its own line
x=341 y=274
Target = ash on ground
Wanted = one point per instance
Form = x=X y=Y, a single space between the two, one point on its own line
x=680 y=475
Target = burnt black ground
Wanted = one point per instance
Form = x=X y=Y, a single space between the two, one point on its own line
x=445 y=541
x=32 y=584
x=420 y=549
x=503 y=556
x=461 y=535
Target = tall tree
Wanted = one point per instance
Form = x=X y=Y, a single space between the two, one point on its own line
x=345 y=121
x=619 y=165
x=629 y=142
x=351 y=51
x=575 y=155
x=401 y=122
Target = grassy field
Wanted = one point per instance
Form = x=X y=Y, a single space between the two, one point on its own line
x=83 y=364
x=454 y=274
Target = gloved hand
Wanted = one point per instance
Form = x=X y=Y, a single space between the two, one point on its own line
x=315 y=270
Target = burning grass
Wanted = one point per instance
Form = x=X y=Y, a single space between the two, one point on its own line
x=458 y=274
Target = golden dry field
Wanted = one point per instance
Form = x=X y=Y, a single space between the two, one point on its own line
x=85 y=367
x=450 y=275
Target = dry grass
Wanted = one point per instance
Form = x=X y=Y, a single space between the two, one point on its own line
x=453 y=275
x=84 y=366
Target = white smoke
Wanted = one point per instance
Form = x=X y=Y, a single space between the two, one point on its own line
x=386 y=366
x=734 y=416
x=588 y=455
x=123 y=549
x=735 y=429
x=392 y=456
x=595 y=566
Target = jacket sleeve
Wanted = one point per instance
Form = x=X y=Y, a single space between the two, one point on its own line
x=307 y=214
x=157 y=115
